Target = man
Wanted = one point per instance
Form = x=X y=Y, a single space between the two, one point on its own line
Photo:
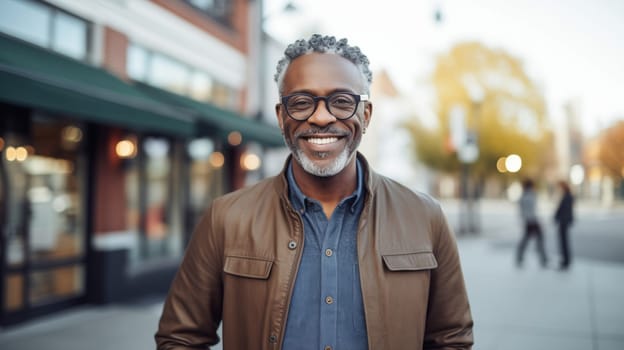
x=564 y=217
x=532 y=228
x=328 y=254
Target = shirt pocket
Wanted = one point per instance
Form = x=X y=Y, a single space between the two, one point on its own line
x=258 y=268
x=417 y=261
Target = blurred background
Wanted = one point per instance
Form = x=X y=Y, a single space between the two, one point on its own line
x=120 y=121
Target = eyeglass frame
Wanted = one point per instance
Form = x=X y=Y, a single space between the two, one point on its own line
x=358 y=98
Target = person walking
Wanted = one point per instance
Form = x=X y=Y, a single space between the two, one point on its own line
x=328 y=254
x=532 y=227
x=564 y=217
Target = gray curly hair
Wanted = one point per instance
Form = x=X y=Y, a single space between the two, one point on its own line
x=324 y=44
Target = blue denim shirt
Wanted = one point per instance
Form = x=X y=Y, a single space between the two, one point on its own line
x=326 y=308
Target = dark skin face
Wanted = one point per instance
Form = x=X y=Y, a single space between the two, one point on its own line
x=323 y=141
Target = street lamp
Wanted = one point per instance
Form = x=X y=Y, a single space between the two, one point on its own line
x=468 y=153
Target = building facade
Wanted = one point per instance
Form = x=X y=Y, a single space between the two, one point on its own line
x=120 y=121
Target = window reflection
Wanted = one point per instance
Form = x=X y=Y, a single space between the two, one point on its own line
x=43 y=208
x=201 y=86
x=169 y=74
x=70 y=35
x=59 y=283
x=14 y=291
x=206 y=178
x=218 y=9
x=137 y=63
x=26 y=20
x=45 y=26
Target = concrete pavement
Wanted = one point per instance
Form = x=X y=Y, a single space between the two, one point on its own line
x=513 y=308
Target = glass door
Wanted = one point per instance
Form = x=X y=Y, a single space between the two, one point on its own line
x=43 y=177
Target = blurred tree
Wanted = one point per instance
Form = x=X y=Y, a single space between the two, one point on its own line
x=502 y=106
x=611 y=151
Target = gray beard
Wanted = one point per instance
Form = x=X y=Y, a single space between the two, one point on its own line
x=312 y=168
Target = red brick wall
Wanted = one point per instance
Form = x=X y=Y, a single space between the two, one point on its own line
x=110 y=196
x=115 y=47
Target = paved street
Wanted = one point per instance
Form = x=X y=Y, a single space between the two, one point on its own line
x=528 y=308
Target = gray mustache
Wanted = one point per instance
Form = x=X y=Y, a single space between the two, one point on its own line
x=330 y=130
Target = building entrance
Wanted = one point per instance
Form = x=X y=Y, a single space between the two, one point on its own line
x=42 y=213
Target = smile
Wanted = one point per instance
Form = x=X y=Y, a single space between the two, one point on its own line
x=322 y=140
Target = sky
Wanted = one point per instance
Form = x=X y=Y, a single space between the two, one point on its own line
x=572 y=49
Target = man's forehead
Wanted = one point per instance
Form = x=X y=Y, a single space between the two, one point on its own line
x=322 y=70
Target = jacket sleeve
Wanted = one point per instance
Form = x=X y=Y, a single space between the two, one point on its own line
x=449 y=321
x=193 y=308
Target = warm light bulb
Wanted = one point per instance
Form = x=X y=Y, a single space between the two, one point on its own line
x=125 y=149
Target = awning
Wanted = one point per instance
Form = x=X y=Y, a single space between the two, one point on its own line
x=217 y=120
x=39 y=78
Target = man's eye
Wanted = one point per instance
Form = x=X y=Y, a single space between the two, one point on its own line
x=342 y=101
x=300 y=103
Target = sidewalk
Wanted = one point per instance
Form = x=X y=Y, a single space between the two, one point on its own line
x=535 y=308
x=513 y=309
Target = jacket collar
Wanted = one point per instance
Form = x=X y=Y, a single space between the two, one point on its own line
x=371 y=178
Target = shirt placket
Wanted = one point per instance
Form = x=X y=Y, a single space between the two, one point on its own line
x=329 y=279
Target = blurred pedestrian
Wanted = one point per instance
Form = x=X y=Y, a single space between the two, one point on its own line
x=564 y=217
x=328 y=254
x=532 y=227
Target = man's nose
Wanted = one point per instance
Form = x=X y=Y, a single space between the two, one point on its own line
x=321 y=115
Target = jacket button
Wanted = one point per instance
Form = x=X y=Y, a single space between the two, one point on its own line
x=327 y=347
x=329 y=252
x=292 y=245
x=272 y=338
x=329 y=300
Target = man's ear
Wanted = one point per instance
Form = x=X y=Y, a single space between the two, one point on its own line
x=278 y=114
x=368 y=113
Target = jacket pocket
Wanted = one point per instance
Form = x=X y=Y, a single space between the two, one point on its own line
x=247 y=267
x=410 y=261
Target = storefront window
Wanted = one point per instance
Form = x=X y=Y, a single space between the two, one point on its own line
x=206 y=177
x=54 y=284
x=43 y=174
x=152 y=203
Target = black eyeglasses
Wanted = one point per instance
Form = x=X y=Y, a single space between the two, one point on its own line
x=342 y=105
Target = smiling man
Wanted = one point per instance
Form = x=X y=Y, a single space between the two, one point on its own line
x=328 y=254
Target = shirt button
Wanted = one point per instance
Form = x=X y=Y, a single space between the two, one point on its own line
x=329 y=252
x=292 y=245
x=272 y=338
x=329 y=300
x=327 y=347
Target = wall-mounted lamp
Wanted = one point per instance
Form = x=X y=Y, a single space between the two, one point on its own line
x=250 y=162
x=217 y=159
x=235 y=138
x=126 y=149
x=18 y=154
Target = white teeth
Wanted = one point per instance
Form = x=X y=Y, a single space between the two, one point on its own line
x=322 y=140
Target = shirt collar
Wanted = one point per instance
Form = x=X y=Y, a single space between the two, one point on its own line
x=298 y=199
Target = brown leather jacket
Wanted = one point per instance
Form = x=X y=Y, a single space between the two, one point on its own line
x=241 y=264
